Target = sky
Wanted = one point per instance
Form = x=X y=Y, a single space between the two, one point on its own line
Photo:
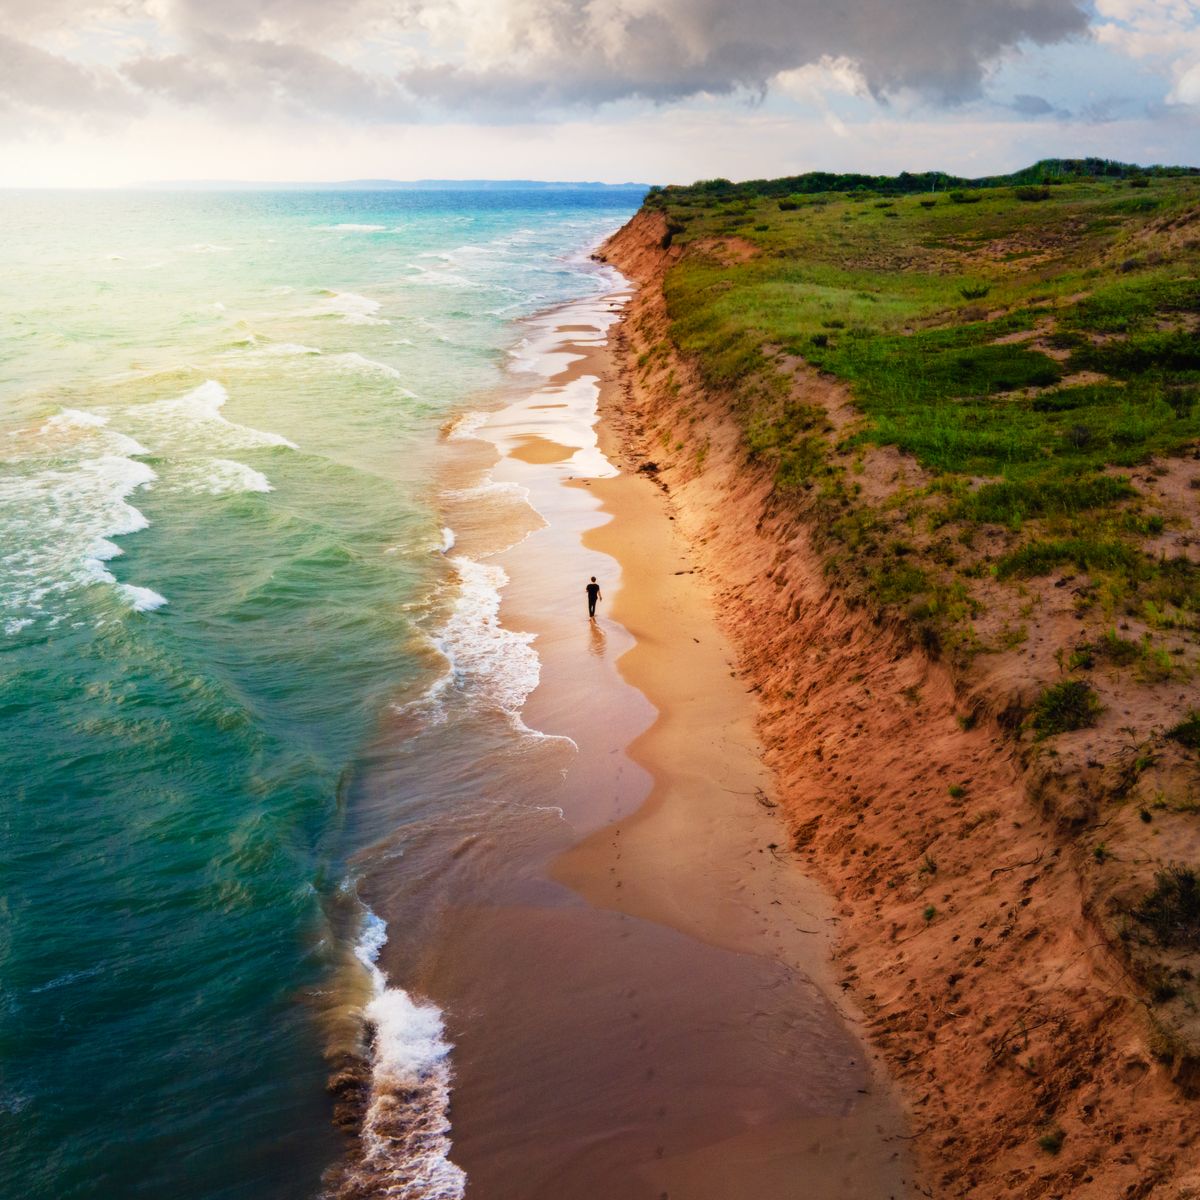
x=104 y=93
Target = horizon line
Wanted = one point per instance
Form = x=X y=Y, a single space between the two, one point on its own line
x=360 y=184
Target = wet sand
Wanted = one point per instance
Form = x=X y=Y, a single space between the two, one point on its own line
x=638 y=984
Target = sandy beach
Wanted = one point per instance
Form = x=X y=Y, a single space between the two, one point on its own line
x=638 y=983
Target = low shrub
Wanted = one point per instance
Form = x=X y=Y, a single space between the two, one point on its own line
x=1064 y=707
x=1032 y=194
x=1121 y=652
x=1187 y=732
x=1171 y=912
x=1052 y=1140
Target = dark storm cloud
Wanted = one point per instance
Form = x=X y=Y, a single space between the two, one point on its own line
x=508 y=56
x=589 y=51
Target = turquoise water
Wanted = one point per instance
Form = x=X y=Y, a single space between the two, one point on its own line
x=219 y=420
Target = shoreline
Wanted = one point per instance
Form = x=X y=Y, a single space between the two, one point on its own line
x=637 y=999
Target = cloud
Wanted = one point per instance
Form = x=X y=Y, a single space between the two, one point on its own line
x=1164 y=34
x=34 y=79
x=241 y=75
x=382 y=59
x=26 y=17
x=1031 y=106
x=1187 y=86
x=563 y=52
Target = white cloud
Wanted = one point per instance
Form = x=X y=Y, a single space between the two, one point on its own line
x=1164 y=34
x=827 y=76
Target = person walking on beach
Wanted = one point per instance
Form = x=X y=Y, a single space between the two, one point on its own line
x=593 y=594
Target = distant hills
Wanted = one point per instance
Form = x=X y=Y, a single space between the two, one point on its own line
x=1047 y=170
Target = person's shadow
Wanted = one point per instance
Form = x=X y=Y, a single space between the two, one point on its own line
x=597 y=642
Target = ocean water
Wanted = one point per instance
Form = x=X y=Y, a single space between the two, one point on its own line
x=224 y=562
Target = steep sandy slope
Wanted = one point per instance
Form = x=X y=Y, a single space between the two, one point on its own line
x=967 y=933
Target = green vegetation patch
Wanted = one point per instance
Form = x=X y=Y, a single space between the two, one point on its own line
x=1012 y=503
x=1122 y=307
x=1173 y=352
x=1042 y=557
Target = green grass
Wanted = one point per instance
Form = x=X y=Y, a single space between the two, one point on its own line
x=1013 y=503
x=1127 y=306
x=1042 y=557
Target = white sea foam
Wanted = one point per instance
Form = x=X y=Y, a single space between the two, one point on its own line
x=141 y=599
x=350 y=227
x=73 y=433
x=371 y=940
x=353 y=361
x=67 y=979
x=448 y=540
x=440 y=278
x=59 y=524
x=285 y=350
x=352 y=308
x=194 y=421
x=219 y=477
x=489 y=489
x=466 y=426
x=74 y=417
x=256 y=353
x=405 y=1137
x=491 y=663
